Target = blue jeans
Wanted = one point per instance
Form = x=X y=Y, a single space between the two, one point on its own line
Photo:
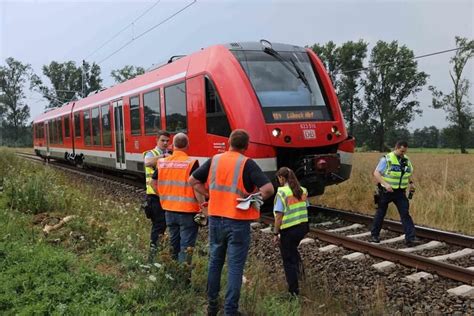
x=399 y=198
x=232 y=238
x=183 y=233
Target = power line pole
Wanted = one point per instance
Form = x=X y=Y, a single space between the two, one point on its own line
x=83 y=74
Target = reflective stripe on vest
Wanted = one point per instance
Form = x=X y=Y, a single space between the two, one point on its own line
x=226 y=184
x=393 y=172
x=294 y=211
x=149 y=171
x=176 y=194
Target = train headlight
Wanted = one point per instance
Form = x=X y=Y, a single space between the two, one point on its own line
x=276 y=132
x=335 y=131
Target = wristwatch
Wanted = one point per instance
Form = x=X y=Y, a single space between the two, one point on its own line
x=275 y=232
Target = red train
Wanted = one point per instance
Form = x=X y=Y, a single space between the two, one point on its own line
x=281 y=94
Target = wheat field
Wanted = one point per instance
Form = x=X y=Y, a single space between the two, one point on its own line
x=444 y=196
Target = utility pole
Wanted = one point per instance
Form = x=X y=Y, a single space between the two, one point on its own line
x=83 y=79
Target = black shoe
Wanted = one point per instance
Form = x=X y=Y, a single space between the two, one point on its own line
x=374 y=239
x=212 y=308
x=413 y=243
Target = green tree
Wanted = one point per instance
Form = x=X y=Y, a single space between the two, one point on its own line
x=456 y=103
x=69 y=82
x=328 y=54
x=351 y=56
x=126 y=73
x=343 y=65
x=427 y=137
x=397 y=134
x=448 y=137
x=392 y=80
x=14 y=112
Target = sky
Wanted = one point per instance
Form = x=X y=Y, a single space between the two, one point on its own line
x=38 y=32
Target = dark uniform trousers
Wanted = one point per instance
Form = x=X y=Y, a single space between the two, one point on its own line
x=290 y=238
x=157 y=216
x=399 y=198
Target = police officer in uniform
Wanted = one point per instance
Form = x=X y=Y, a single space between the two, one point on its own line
x=153 y=208
x=394 y=176
x=291 y=224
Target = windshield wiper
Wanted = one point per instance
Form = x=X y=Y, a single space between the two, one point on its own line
x=295 y=71
x=301 y=74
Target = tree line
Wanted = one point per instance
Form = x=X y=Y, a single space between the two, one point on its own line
x=377 y=101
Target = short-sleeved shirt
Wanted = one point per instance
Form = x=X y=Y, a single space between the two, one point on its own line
x=381 y=165
x=253 y=175
x=279 y=207
x=149 y=153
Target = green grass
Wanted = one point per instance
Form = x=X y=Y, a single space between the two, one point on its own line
x=427 y=150
x=95 y=264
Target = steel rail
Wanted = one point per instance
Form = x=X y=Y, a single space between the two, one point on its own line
x=424 y=232
x=411 y=260
x=107 y=175
x=418 y=262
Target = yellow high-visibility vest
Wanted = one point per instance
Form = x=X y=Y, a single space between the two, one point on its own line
x=295 y=211
x=393 y=171
x=150 y=170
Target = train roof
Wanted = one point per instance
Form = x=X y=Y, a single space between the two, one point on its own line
x=54 y=113
x=177 y=70
x=258 y=46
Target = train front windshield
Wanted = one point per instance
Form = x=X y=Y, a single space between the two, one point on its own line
x=286 y=86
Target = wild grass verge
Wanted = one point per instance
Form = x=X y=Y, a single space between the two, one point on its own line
x=95 y=264
x=444 y=196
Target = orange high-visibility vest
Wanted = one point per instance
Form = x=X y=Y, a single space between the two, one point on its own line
x=173 y=188
x=226 y=184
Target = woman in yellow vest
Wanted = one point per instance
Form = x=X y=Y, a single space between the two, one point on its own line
x=291 y=224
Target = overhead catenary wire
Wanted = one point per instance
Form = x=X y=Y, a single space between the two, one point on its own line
x=123 y=29
x=401 y=61
x=148 y=30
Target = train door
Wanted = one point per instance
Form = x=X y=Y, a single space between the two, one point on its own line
x=119 y=135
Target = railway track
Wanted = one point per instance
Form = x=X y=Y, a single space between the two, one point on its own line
x=343 y=233
x=340 y=234
x=130 y=183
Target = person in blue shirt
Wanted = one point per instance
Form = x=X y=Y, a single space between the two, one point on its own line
x=394 y=175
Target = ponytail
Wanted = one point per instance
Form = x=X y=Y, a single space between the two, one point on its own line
x=293 y=182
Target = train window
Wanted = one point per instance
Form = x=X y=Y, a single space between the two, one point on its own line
x=66 y=126
x=175 y=107
x=106 y=134
x=87 y=127
x=95 y=127
x=151 y=106
x=54 y=133
x=135 y=115
x=283 y=94
x=216 y=119
x=59 y=126
x=77 y=124
x=50 y=131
